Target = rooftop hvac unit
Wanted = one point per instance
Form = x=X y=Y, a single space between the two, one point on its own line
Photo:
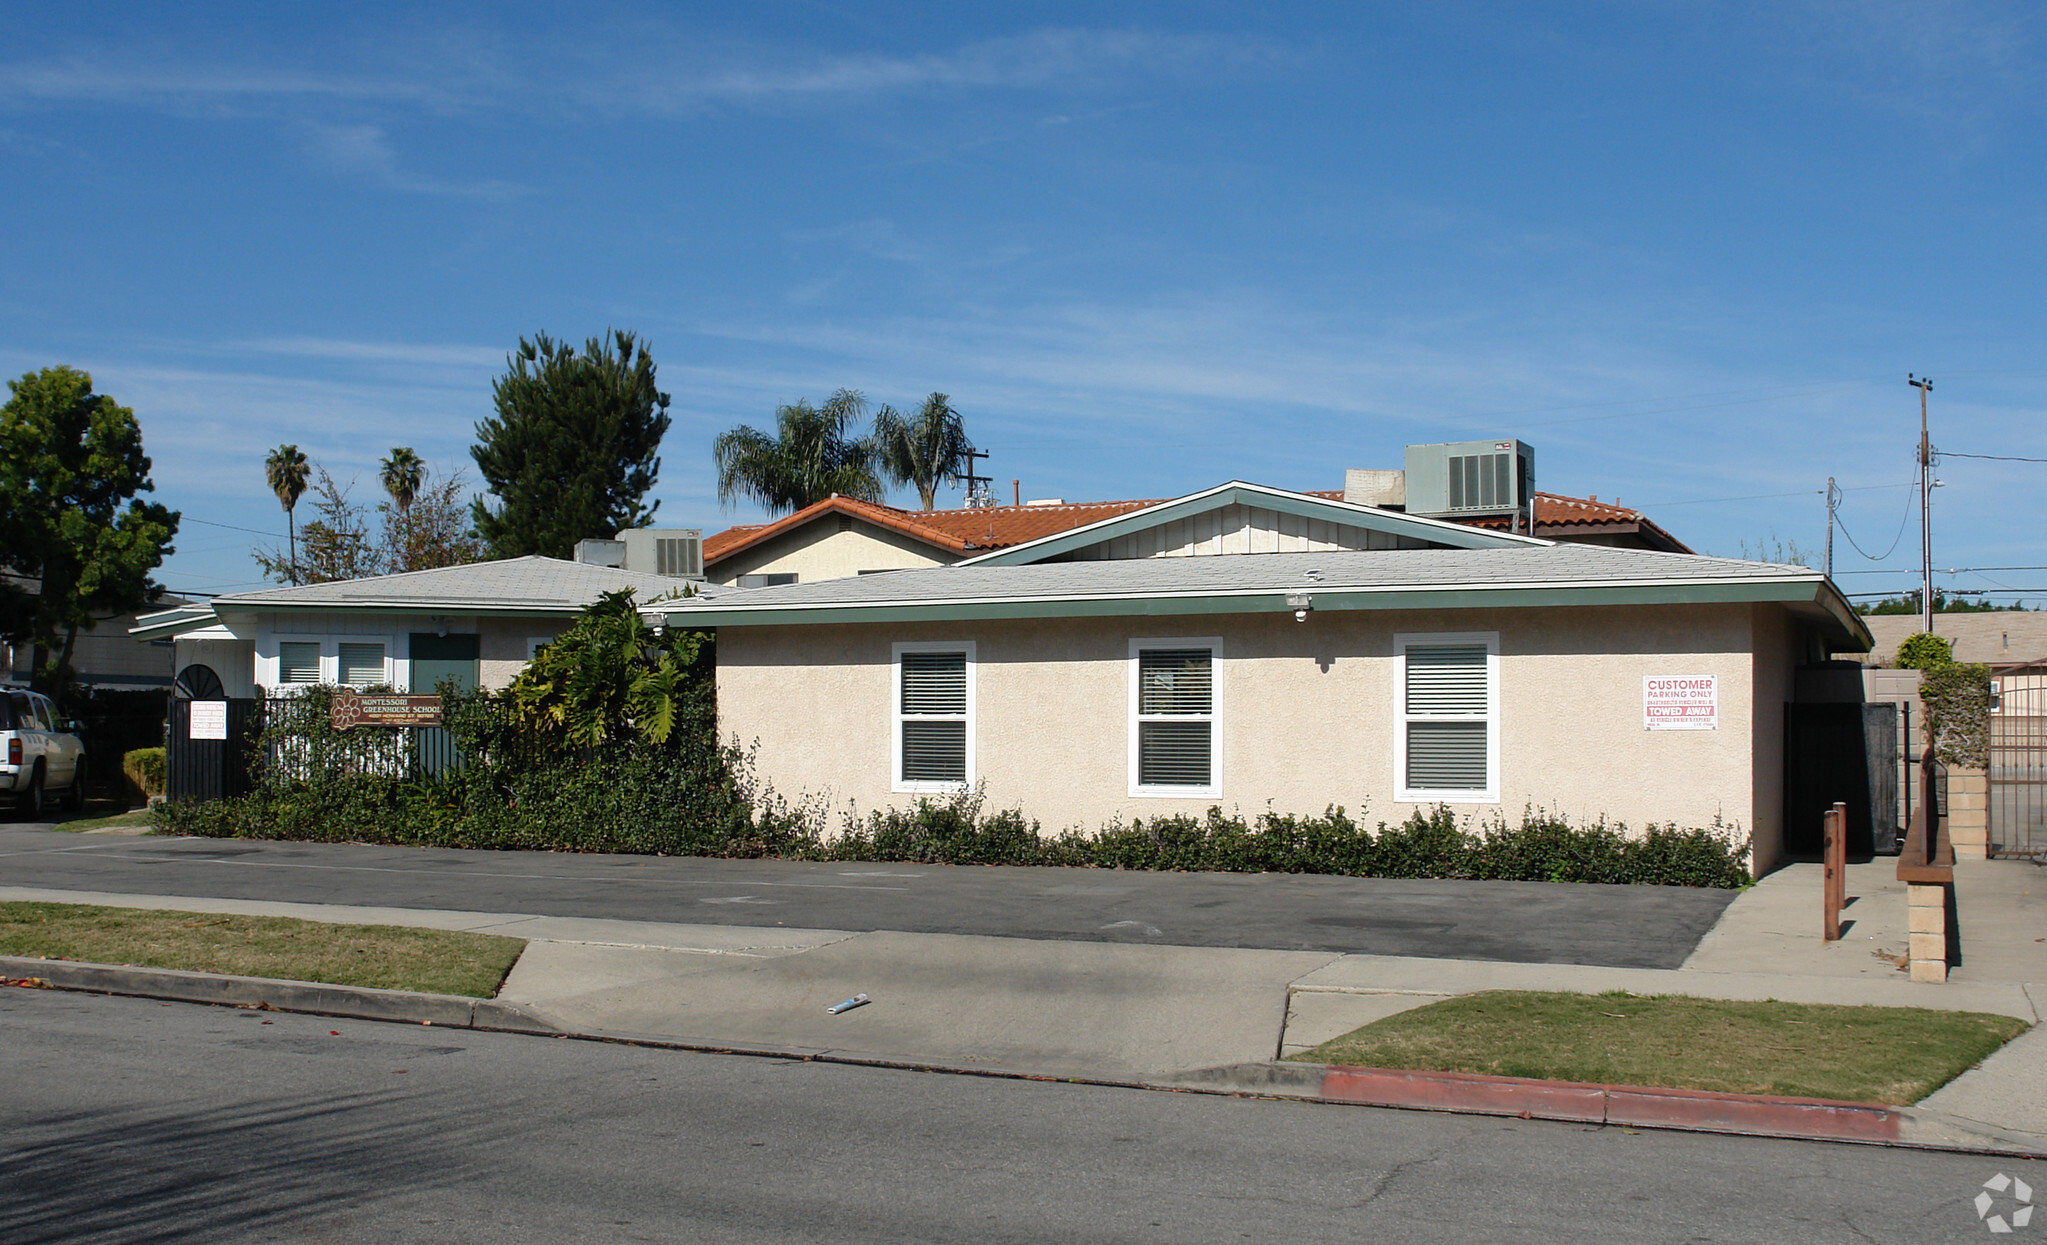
x=676 y=552
x=595 y=552
x=1470 y=478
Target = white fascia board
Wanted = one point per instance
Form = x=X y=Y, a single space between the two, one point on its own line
x=172 y=621
x=1240 y=492
x=1332 y=595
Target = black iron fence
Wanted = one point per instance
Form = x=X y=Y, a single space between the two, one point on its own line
x=220 y=748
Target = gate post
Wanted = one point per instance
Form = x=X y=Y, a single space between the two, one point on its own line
x=1834 y=851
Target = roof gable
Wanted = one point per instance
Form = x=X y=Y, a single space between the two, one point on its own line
x=1402 y=528
x=952 y=531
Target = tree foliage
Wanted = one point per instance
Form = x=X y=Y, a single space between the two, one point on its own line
x=573 y=448
x=76 y=541
x=431 y=531
x=812 y=455
x=926 y=450
x=288 y=473
x=402 y=474
x=1924 y=651
x=607 y=677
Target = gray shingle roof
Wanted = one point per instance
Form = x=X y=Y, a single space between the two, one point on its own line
x=1551 y=565
x=529 y=584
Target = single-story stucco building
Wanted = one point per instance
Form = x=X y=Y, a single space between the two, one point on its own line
x=1179 y=656
x=477 y=624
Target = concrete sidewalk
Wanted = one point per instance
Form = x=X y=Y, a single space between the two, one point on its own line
x=1115 y=1010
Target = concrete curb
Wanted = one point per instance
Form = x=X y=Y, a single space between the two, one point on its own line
x=1804 y=1119
x=352 y=1002
x=1630 y=1106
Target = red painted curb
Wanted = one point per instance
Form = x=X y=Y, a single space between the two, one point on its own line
x=1816 y=1119
x=1456 y=1091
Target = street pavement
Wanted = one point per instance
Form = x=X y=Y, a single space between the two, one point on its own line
x=1524 y=922
x=130 y=1120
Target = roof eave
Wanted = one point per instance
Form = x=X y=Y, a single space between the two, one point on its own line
x=1268 y=600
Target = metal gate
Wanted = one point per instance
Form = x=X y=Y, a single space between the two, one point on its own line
x=2018 y=764
x=209 y=759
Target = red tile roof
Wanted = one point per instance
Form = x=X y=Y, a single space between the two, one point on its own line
x=998 y=527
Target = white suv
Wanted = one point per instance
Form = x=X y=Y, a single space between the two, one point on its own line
x=42 y=753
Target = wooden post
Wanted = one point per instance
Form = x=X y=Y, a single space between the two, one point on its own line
x=1834 y=841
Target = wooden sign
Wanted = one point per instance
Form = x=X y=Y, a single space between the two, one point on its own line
x=353 y=709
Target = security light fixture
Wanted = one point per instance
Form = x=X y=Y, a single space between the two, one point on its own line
x=1300 y=603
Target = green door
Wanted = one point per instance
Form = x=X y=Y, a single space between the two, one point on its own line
x=436 y=658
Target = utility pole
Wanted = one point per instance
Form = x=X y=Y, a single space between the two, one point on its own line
x=978 y=487
x=1833 y=503
x=1925 y=386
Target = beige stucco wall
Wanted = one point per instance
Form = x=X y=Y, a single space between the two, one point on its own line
x=1307 y=709
x=817 y=550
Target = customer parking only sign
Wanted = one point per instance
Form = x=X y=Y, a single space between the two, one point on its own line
x=1681 y=702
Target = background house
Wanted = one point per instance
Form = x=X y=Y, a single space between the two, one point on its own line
x=842 y=536
x=478 y=624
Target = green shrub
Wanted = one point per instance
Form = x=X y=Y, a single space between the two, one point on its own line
x=1924 y=651
x=145 y=769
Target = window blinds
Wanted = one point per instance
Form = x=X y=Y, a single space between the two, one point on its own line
x=298 y=662
x=362 y=665
x=934 y=717
x=1446 y=681
x=1175 y=683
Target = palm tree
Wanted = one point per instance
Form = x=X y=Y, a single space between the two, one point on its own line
x=288 y=472
x=926 y=451
x=403 y=475
x=809 y=459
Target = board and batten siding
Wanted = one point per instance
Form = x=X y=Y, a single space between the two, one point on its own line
x=1240 y=529
x=1307 y=712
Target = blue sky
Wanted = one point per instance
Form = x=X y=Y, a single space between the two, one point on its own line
x=1688 y=252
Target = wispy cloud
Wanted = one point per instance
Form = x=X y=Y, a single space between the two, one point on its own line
x=124 y=78
x=365 y=151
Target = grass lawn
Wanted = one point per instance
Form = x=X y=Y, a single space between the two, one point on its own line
x=1895 y=1055
x=87 y=820
x=386 y=956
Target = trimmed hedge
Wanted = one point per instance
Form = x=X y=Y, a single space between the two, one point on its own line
x=692 y=797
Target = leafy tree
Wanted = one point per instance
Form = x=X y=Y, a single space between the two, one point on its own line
x=608 y=676
x=810 y=457
x=71 y=464
x=926 y=451
x=1908 y=603
x=337 y=544
x=431 y=528
x=287 y=471
x=1923 y=651
x=403 y=474
x=573 y=448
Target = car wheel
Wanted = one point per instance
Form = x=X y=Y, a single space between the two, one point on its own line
x=74 y=799
x=29 y=804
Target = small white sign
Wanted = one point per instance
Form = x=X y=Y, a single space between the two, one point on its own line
x=1681 y=702
x=208 y=720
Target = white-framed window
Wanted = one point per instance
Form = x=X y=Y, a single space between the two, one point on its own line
x=1176 y=717
x=1447 y=717
x=933 y=711
x=303 y=660
x=534 y=643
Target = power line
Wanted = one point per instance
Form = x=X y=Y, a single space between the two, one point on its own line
x=2000 y=458
x=1894 y=540
x=186 y=518
x=1806 y=492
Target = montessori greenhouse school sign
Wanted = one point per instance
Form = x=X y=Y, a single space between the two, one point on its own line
x=1681 y=702
x=352 y=709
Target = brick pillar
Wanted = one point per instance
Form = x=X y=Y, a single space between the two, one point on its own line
x=1928 y=910
x=1968 y=812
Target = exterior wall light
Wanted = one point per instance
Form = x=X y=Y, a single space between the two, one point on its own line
x=1300 y=603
